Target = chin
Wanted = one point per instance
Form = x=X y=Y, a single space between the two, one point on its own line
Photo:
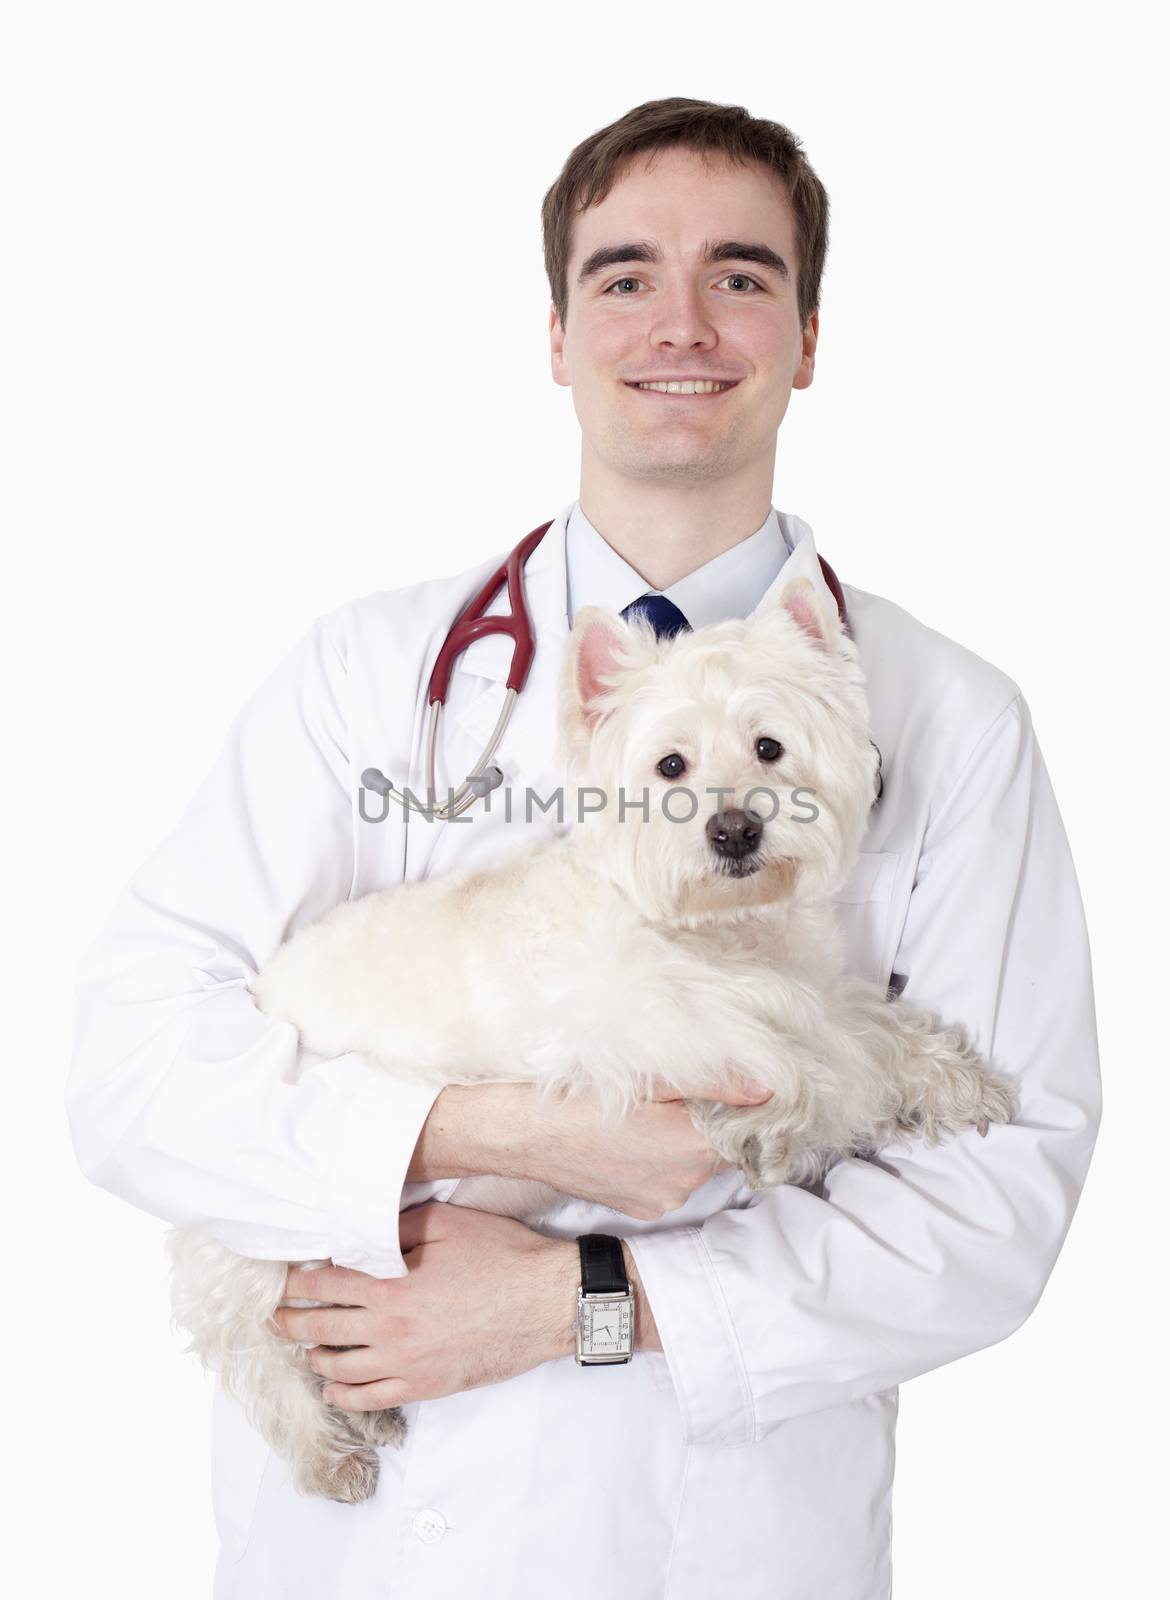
x=732 y=890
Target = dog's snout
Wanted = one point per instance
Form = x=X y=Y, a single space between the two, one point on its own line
x=735 y=833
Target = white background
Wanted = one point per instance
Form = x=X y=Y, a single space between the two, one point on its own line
x=274 y=336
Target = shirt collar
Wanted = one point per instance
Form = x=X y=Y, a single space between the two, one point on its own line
x=729 y=585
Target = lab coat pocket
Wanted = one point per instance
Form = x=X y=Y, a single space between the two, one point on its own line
x=863 y=907
x=238 y=1458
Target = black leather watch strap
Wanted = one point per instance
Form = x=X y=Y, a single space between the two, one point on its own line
x=603 y=1266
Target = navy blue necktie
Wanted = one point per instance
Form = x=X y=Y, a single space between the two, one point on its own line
x=662 y=614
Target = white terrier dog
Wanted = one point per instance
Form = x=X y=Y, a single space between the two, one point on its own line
x=684 y=925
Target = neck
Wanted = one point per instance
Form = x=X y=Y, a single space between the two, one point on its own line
x=668 y=528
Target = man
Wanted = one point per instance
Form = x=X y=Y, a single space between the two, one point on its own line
x=748 y=1443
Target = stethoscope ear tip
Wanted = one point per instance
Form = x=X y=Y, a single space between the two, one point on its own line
x=377 y=781
x=484 y=782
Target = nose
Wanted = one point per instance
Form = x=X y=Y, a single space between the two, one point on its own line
x=682 y=321
x=734 y=833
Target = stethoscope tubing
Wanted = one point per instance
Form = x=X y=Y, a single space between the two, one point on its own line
x=468 y=792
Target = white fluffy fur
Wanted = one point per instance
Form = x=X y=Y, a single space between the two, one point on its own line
x=624 y=952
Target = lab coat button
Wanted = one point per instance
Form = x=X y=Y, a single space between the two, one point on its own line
x=430 y=1525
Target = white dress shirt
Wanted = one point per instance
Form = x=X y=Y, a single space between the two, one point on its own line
x=729 y=585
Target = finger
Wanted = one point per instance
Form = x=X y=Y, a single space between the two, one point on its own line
x=367 y=1396
x=737 y=1090
x=363 y=1364
x=423 y=1223
x=337 y=1286
x=732 y=1090
x=322 y=1324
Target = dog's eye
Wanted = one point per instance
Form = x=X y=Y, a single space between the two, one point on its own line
x=672 y=766
x=769 y=749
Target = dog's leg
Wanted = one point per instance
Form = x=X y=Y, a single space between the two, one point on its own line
x=877 y=1071
x=328 y=1451
x=225 y=1302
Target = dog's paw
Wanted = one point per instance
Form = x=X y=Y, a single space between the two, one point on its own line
x=378 y=1427
x=760 y=1143
x=999 y=1102
x=350 y=1478
x=765 y=1162
x=968 y=1097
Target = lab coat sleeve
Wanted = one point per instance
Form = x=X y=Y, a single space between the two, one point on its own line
x=803 y=1301
x=183 y=1098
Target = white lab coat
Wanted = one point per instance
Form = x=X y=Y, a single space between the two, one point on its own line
x=755 y=1456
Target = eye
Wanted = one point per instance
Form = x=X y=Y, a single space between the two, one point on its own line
x=613 y=286
x=672 y=766
x=742 y=275
x=769 y=749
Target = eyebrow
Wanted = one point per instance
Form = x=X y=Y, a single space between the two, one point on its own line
x=616 y=255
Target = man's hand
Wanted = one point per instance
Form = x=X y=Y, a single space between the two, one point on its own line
x=644 y=1166
x=484 y=1298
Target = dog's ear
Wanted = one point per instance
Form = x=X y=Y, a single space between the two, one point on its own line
x=600 y=637
x=601 y=646
x=803 y=604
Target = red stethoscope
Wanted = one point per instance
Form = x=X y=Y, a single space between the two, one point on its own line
x=472 y=624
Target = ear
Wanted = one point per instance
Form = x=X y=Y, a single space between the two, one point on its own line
x=803 y=605
x=599 y=647
x=602 y=647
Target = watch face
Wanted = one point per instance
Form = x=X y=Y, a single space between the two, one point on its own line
x=605 y=1327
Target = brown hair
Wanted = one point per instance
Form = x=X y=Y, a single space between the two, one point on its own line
x=598 y=162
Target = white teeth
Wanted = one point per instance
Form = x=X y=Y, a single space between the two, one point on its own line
x=685 y=388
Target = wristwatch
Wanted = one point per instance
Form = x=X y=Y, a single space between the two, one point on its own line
x=605 y=1303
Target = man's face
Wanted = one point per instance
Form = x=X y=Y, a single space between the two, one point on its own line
x=681 y=315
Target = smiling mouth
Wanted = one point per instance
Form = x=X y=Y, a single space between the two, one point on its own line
x=696 y=389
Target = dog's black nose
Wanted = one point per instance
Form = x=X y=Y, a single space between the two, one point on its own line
x=735 y=833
